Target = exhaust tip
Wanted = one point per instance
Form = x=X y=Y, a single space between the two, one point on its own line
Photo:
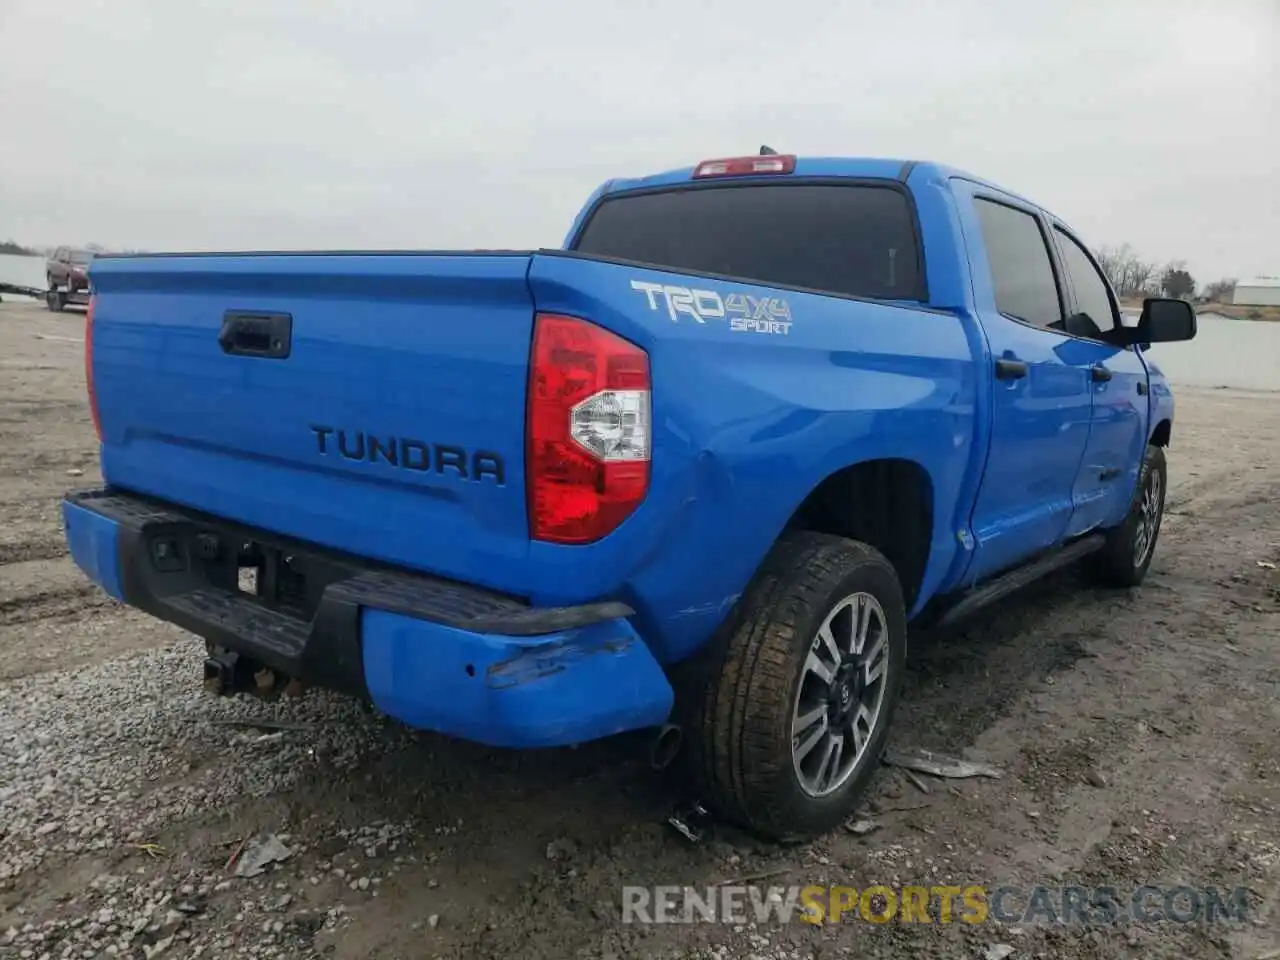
x=666 y=746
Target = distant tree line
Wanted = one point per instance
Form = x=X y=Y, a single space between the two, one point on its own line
x=16 y=249
x=1134 y=277
x=1220 y=291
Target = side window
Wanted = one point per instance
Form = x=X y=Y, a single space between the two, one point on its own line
x=1021 y=270
x=1092 y=296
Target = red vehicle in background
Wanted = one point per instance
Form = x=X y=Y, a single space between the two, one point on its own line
x=67 y=271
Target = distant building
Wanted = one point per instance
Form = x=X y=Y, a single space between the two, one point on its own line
x=1261 y=292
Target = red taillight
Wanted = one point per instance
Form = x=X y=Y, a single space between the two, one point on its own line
x=88 y=368
x=588 y=434
x=745 y=166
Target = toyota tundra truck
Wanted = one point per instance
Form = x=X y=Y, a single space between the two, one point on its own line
x=693 y=473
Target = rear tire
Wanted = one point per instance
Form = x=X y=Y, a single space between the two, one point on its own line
x=791 y=722
x=1126 y=556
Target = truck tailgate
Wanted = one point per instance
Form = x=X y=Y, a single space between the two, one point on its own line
x=372 y=403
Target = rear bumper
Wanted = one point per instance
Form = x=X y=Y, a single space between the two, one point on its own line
x=433 y=654
x=70 y=282
x=79 y=298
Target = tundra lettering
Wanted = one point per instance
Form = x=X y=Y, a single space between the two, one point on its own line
x=411 y=454
x=894 y=447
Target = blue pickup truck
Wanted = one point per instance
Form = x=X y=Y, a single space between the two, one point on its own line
x=693 y=473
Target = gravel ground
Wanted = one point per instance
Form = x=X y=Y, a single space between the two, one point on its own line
x=1137 y=732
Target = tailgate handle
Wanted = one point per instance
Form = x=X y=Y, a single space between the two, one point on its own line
x=266 y=335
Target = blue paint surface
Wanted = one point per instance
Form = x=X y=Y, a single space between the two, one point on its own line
x=91 y=539
x=435 y=347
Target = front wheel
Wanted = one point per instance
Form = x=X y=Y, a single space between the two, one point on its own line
x=1125 y=558
x=793 y=721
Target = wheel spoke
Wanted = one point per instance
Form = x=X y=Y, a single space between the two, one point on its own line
x=861 y=727
x=862 y=614
x=874 y=661
x=811 y=741
x=830 y=763
x=807 y=720
x=815 y=665
x=828 y=640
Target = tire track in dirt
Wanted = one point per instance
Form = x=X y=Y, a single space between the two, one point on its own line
x=24 y=551
x=65 y=604
x=32 y=528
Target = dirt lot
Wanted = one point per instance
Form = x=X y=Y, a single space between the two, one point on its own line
x=1139 y=736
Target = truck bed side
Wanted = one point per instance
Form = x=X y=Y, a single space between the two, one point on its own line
x=748 y=424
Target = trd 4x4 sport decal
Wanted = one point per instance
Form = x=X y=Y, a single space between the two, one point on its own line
x=745 y=313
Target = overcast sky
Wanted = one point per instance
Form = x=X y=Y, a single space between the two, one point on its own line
x=178 y=124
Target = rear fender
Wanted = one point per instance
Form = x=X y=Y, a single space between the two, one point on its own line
x=748 y=420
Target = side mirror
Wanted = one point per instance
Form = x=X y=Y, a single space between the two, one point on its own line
x=1165 y=320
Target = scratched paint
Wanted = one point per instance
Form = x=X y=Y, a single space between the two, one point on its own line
x=535 y=663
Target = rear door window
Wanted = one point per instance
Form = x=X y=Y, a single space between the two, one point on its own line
x=855 y=240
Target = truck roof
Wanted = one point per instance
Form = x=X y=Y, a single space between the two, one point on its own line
x=871 y=168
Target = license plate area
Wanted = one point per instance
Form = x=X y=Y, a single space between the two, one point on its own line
x=287 y=578
x=280 y=579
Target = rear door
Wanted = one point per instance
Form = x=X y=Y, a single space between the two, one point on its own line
x=1118 y=381
x=1041 y=403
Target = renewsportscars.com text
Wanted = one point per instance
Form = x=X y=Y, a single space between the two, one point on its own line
x=970 y=904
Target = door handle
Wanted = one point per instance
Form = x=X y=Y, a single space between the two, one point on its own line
x=1142 y=388
x=265 y=335
x=1099 y=374
x=1010 y=369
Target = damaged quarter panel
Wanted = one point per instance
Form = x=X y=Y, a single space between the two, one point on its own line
x=748 y=420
